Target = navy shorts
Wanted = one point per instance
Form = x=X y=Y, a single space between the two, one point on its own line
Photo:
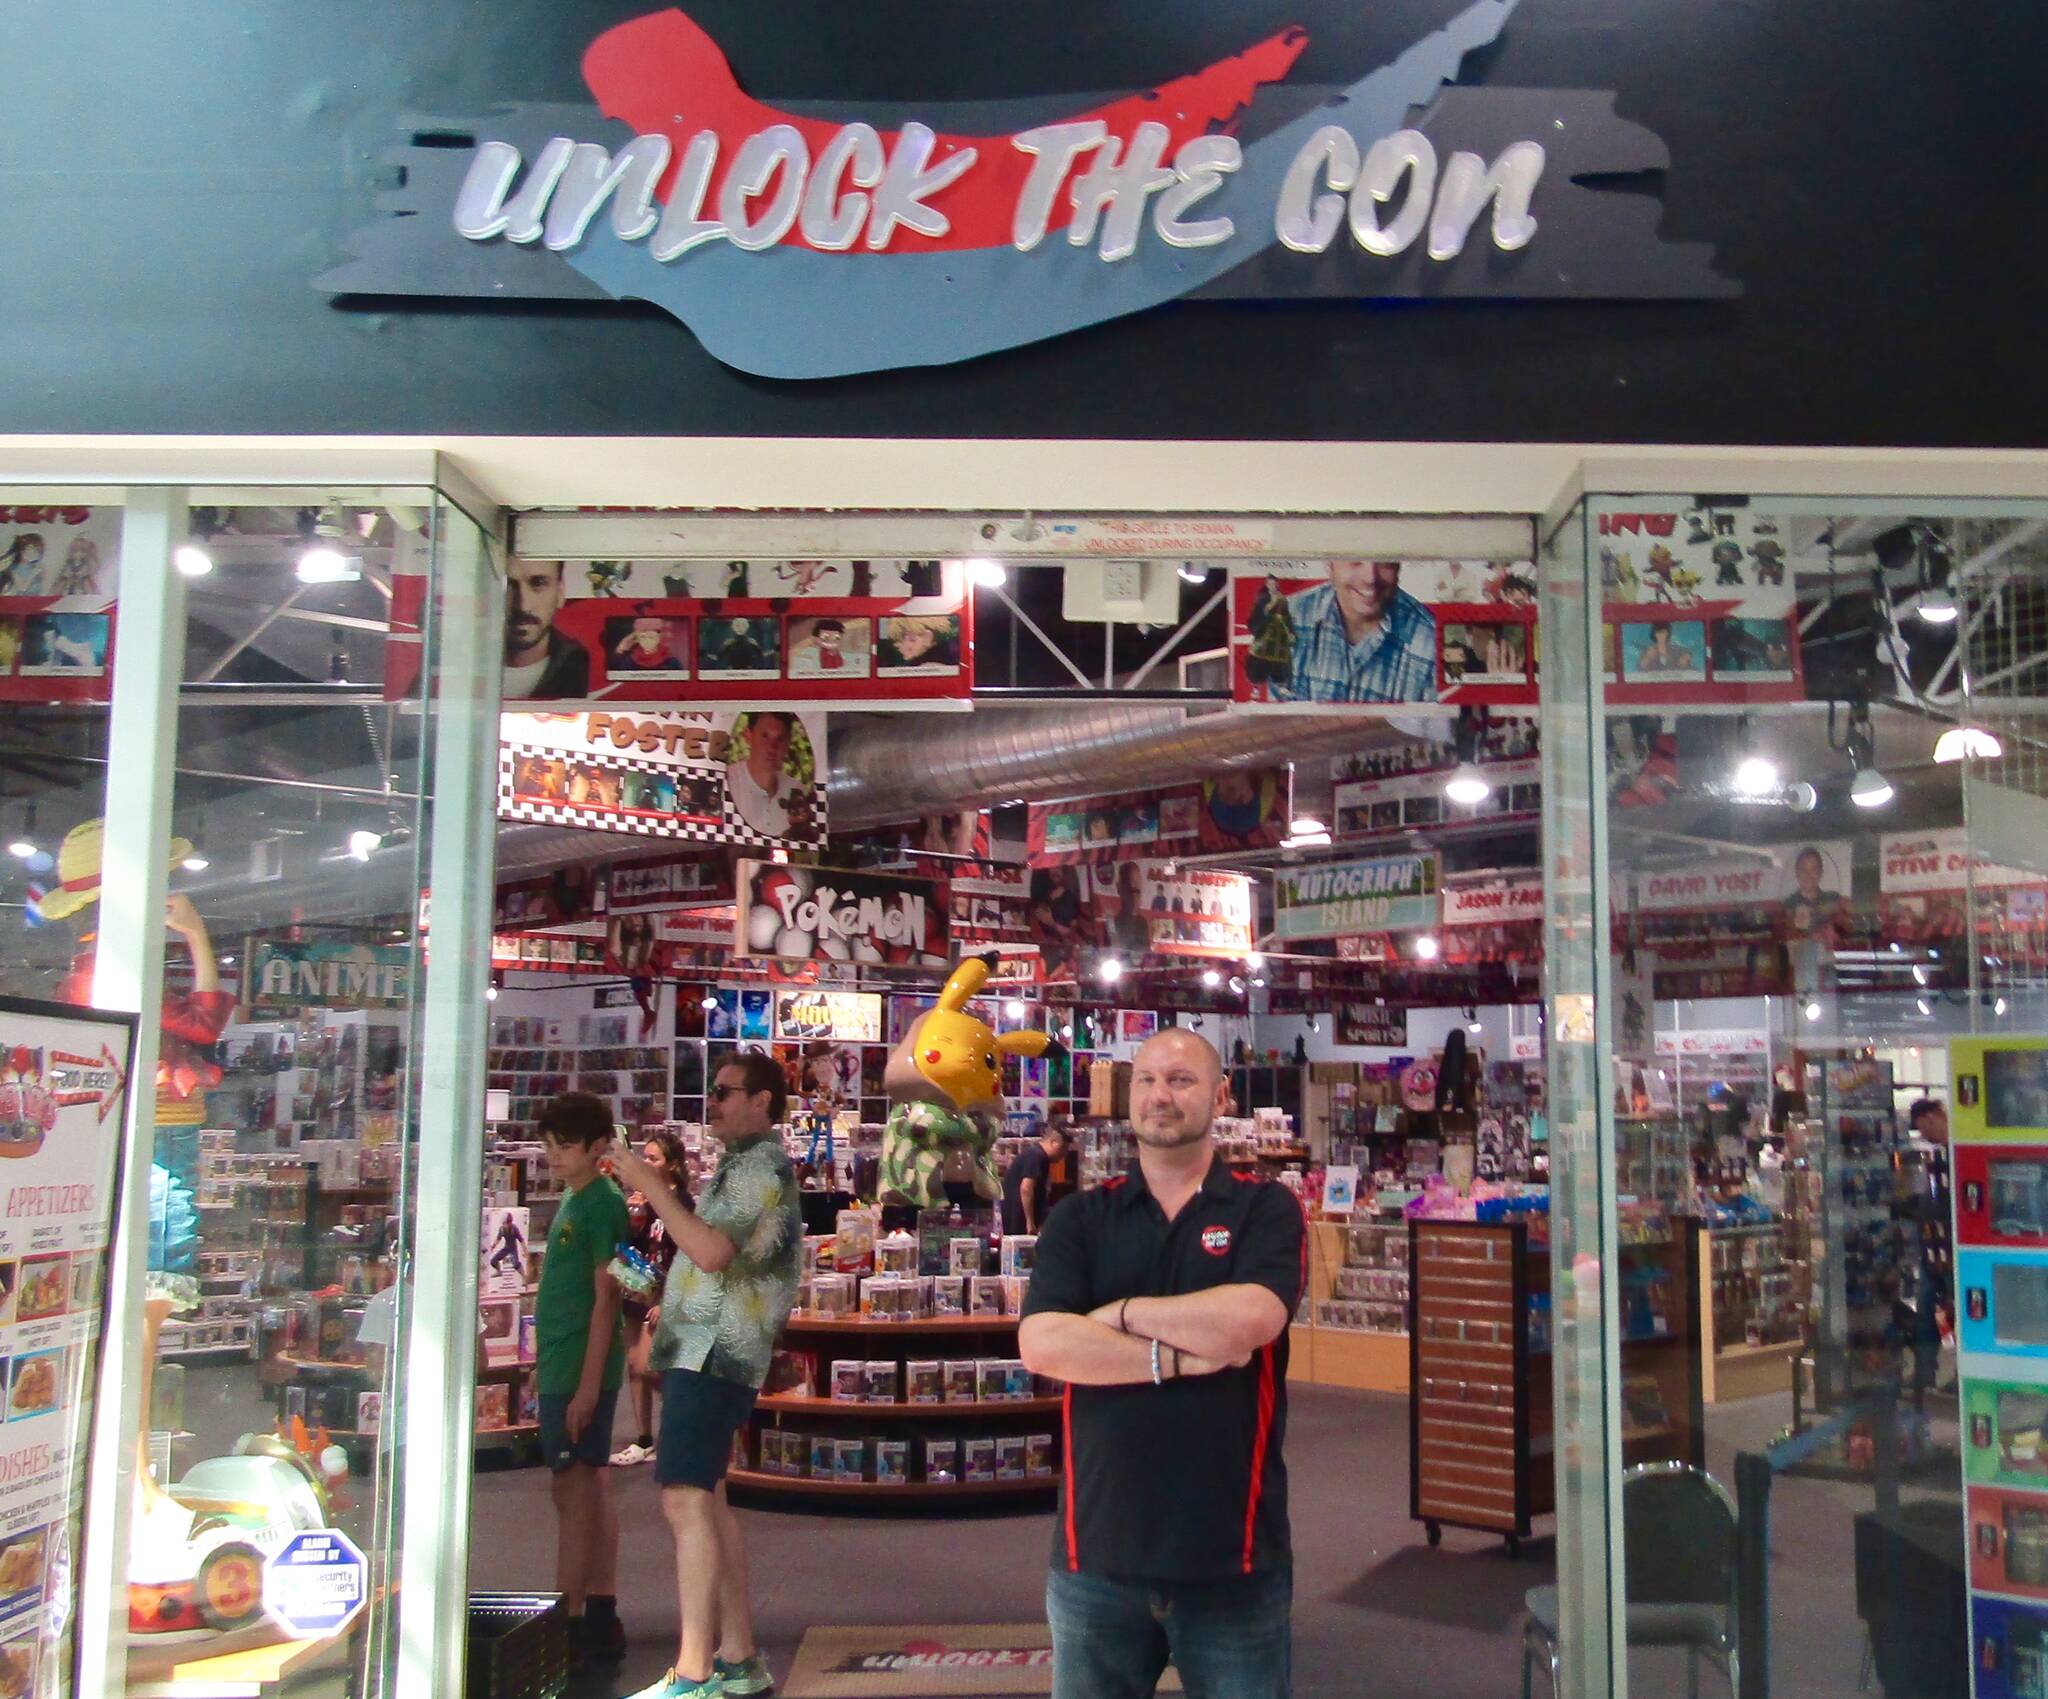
x=594 y=1448
x=699 y=1415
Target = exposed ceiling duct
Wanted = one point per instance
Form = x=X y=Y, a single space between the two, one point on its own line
x=902 y=766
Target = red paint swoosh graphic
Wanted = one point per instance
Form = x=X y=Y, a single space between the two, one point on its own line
x=662 y=75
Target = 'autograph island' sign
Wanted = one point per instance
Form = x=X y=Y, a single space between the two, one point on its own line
x=800 y=244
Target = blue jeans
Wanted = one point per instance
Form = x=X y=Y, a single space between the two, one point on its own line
x=1112 y=1639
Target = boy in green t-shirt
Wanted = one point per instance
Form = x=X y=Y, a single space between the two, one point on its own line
x=580 y=1353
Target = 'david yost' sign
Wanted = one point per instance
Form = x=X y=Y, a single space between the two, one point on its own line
x=800 y=242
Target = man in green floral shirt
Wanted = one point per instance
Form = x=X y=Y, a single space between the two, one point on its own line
x=739 y=1255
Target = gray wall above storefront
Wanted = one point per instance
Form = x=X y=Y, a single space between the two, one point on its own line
x=177 y=180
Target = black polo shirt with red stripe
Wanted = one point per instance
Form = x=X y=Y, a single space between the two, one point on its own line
x=1184 y=1481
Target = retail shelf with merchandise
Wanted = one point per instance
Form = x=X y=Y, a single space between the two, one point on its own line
x=753 y=1480
x=851 y=1409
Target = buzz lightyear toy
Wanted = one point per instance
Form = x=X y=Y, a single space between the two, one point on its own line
x=946 y=1093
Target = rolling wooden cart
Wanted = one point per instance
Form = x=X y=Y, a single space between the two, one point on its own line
x=1480 y=1442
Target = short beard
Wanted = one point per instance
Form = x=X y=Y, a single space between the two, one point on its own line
x=1170 y=1141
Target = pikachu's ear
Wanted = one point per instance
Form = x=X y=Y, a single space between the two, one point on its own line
x=965 y=981
x=1023 y=1043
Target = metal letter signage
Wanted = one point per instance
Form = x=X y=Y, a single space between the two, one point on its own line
x=800 y=244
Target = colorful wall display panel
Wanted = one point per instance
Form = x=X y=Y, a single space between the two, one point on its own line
x=1998 y=1118
x=2000 y=1091
x=2008 y=1648
x=2002 y=1195
x=2002 y=1303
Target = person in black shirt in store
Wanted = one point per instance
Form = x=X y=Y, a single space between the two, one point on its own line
x=1162 y=1298
x=1028 y=1180
x=1933 y=1299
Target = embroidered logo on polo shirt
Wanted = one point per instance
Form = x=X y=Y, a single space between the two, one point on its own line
x=1216 y=1240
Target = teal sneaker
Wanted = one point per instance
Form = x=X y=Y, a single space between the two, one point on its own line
x=747 y=1679
x=673 y=1686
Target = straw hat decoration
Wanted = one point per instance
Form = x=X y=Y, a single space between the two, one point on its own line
x=78 y=869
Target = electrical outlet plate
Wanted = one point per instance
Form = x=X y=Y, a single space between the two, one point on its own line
x=1122 y=592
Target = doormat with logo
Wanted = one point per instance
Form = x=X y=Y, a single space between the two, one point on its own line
x=951 y=1662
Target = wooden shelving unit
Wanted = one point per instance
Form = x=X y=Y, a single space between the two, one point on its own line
x=851 y=1338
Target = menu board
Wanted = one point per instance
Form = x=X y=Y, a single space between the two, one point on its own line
x=63 y=1111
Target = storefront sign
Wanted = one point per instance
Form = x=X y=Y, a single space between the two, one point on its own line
x=1396 y=893
x=1233 y=811
x=755 y=777
x=658 y=631
x=1494 y=904
x=63 y=1114
x=1143 y=537
x=807 y=913
x=1378 y=1024
x=845 y=1017
x=59 y=572
x=326 y=973
x=796 y=244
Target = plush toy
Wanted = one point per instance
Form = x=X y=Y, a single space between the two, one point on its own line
x=946 y=1093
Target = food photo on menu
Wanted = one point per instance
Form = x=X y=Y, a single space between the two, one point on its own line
x=35 y=1385
x=45 y=1288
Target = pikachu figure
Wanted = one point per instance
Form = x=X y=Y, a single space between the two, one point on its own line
x=945 y=1088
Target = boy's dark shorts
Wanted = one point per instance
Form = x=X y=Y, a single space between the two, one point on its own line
x=595 y=1447
x=699 y=1415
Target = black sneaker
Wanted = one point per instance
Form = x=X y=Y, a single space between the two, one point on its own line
x=604 y=1640
x=579 y=1642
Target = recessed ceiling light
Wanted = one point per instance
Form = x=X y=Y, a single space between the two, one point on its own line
x=1467 y=786
x=1967 y=743
x=191 y=560
x=1755 y=775
x=1427 y=948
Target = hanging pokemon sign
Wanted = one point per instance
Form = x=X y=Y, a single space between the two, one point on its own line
x=824 y=913
x=800 y=243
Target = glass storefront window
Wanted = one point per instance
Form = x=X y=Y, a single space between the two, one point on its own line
x=1818 y=862
x=306 y=793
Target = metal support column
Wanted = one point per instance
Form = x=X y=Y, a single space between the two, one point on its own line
x=128 y=973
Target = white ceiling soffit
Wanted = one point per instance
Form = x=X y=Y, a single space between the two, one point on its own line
x=1010 y=475
x=799 y=536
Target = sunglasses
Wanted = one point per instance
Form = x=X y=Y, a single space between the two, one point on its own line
x=719 y=1093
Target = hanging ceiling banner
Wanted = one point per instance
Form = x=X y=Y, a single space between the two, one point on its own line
x=1804 y=890
x=1189 y=911
x=1913 y=862
x=755 y=777
x=1699 y=605
x=1415 y=797
x=1395 y=893
x=1382 y=633
x=59 y=571
x=827 y=913
x=658 y=884
x=845 y=1017
x=655 y=631
x=1494 y=903
x=1233 y=811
